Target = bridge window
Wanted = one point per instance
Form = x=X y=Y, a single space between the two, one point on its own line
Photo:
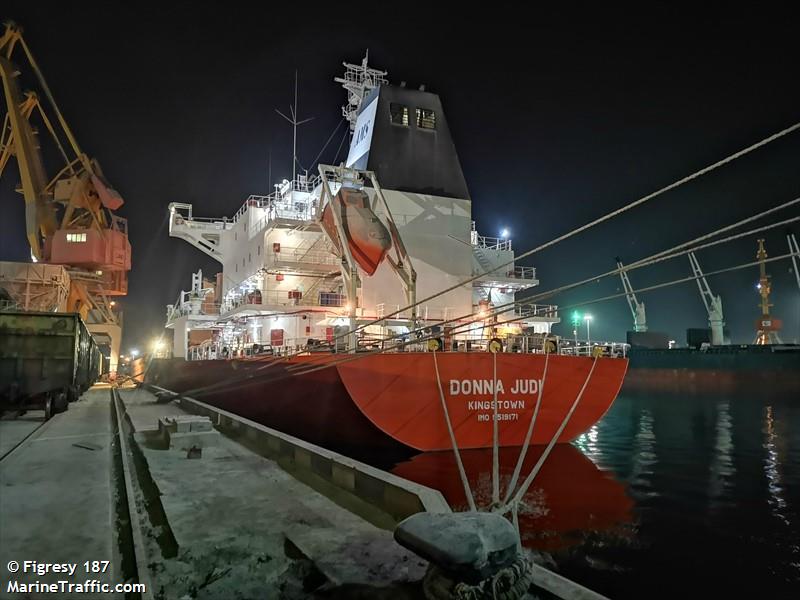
x=399 y=114
x=75 y=238
x=426 y=119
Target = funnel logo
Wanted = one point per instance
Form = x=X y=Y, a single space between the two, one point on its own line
x=362 y=136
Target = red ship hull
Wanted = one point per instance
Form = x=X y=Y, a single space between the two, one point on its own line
x=385 y=400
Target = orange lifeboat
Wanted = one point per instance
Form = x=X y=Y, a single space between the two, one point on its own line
x=367 y=238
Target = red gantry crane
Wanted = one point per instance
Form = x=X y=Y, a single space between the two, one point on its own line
x=69 y=218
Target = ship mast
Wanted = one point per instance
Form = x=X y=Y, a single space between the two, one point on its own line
x=294 y=123
x=358 y=80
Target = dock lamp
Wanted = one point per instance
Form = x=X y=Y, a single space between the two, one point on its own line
x=158 y=346
x=588 y=319
x=134 y=352
x=505 y=233
x=576 y=320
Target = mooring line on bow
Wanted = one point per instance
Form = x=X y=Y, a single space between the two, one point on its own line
x=529 y=435
x=462 y=473
x=517 y=498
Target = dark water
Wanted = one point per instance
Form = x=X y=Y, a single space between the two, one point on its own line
x=669 y=496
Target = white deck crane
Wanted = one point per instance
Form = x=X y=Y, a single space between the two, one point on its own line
x=712 y=303
x=794 y=249
x=637 y=308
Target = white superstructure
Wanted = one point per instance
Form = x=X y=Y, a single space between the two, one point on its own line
x=285 y=283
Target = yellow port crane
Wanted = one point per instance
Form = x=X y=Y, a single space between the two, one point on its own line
x=69 y=218
x=767 y=326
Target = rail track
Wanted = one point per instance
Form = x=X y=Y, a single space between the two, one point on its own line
x=5 y=427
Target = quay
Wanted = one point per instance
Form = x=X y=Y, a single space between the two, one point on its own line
x=231 y=509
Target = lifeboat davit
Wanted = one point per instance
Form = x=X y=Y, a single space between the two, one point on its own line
x=366 y=237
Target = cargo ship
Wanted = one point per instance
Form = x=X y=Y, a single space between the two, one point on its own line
x=357 y=307
x=709 y=362
x=730 y=368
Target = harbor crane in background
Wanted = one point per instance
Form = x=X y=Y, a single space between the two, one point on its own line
x=767 y=326
x=69 y=218
x=794 y=249
x=637 y=308
x=713 y=304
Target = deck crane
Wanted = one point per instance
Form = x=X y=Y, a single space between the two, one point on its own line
x=69 y=217
x=794 y=249
x=637 y=308
x=713 y=304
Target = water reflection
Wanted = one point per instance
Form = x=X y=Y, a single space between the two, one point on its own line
x=672 y=488
x=722 y=468
x=772 y=466
x=570 y=497
x=644 y=454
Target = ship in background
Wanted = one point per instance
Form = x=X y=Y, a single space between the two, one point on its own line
x=709 y=362
x=315 y=264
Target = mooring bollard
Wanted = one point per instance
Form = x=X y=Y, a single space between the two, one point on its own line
x=472 y=555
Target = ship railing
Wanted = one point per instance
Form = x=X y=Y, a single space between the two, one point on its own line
x=491 y=243
x=303 y=256
x=204 y=223
x=302 y=212
x=282 y=200
x=585 y=348
x=190 y=307
x=271 y=298
x=547 y=311
x=523 y=273
x=382 y=310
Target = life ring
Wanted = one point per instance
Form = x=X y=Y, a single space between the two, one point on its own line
x=495 y=345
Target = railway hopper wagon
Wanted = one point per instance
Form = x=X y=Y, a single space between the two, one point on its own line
x=46 y=361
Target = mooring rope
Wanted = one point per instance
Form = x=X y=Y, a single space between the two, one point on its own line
x=676 y=251
x=495 y=441
x=529 y=435
x=593 y=223
x=509 y=583
x=537 y=467
x=462 y=473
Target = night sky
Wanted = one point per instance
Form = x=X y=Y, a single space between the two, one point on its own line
x=557 y=118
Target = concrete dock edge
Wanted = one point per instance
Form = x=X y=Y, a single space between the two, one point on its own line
x=396 y=496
